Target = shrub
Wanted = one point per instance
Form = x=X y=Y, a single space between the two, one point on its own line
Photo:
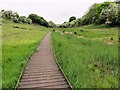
x=72 y=18
x=39 y=20
x=63 y=31
x=75 y=32
x=111 y=38
x=52 y=24
x=22 y=19
x=15 y=19
x=7 y=14
x=15 y=26
x=53 y=30
x=29 y=21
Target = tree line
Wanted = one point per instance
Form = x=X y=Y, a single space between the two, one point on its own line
x=107 y=13
x=32 y=18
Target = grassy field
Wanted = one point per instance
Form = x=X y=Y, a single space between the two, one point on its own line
x=87 y=58
x=93 y=32
x=19 y=42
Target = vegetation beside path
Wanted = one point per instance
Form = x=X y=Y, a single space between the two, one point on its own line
x=19 y=42
x=86 y=62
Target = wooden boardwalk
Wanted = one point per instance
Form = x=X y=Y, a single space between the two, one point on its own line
x=42 y=70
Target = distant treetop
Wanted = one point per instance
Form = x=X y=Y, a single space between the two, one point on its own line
x=72 y=18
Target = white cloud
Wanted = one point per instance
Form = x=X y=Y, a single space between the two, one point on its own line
x=55 y=10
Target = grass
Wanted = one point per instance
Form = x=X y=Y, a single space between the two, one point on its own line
x=19 y=42
x=88 y=63
x=93 y=32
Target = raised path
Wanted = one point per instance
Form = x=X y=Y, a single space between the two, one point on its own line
x=42 y=70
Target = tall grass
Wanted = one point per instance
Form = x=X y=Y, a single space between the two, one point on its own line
x=87 y=63
x=18 y=44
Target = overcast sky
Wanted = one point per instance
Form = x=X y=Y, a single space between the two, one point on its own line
x=56 y=10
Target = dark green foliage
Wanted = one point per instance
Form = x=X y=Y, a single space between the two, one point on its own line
x=38 y=20
x=63 y=31
x=100 y=7
x=111 y=38
x=15 y=26
x=14 y=16
x=75 y=32
x=53 y=30
x=15 y=20
x=72 y=18
x=93 y=15
x=22 y=19
x=119 y=40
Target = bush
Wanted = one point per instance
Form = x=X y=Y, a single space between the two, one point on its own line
x=15 y=26
x=53 y=30
x=109 y=15
x=22 y=19
x=15 y=19
x=75 y=32
x=39 y=20
x=63 y=31
x=72 y=18
x=29 y=21
x=52 y=24
x=9 y=14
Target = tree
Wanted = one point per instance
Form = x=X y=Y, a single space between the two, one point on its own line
x=29 y=21
x=72 y=18
x=7 y=14
x=15 y=19
x=110 y=14
x=39 y=20
x=52 y=24
x=15 y=14
x=22 y=19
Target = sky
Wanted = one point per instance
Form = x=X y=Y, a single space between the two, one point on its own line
x=57 y=11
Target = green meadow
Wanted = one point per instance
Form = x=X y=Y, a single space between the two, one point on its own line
x=19 y=42
x=94 y=32
x=88 y=55
x=86 y=46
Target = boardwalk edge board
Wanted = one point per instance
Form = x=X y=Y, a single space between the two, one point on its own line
x=62 y=71
x=22 y=71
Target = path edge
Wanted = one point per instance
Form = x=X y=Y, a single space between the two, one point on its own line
x=60 y=68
